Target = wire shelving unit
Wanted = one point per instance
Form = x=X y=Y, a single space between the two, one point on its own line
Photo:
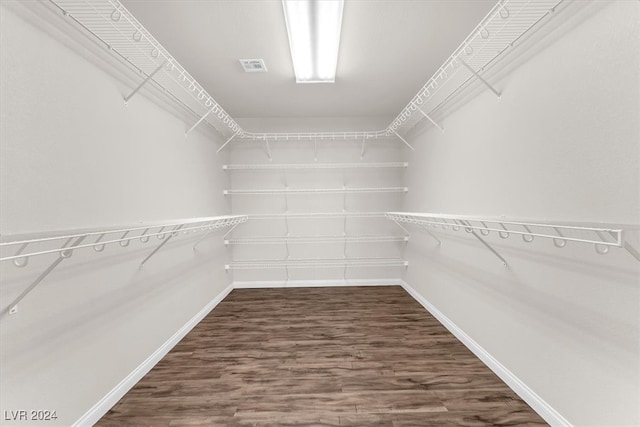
x=120 y=32
x=297 y=166
x=602 y=237
x=300 y=191
x=316 y=263
x=315 y=239
x=64 y=244
x=315 y=215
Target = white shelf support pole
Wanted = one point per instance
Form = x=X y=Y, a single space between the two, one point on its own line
x=144 y=82
x=404 y=140
x=228 y=141
x=13 y=307
x=431 y=120
x=466 y=224
x=200 y=120
x=364 y=142
x=171 y=234
x=498 y=94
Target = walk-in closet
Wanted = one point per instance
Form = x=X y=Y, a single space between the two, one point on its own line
x=319 y=213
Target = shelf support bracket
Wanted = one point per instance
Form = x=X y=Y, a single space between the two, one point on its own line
x=403 y=229
x=364 y=142
x=627 y=246
x=431 y=120
x=498 y=94
x=430 y=234
x=404 y=140
x=144 y=82
x=171 y=233
x=633 y=251
x=466 y=224
x=200 y=120
x=268 y=148
x=228 y=141
x=13 y=307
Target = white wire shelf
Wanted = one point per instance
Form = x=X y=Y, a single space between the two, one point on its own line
x=316 y=263
x=287 y=191
x=507 y=22
x=289 y=166
x=104 y=237
x=316 y=215
x=119 y=30
x=602 y=237
x=314 y=239
x=64 y=244
x=318 y=136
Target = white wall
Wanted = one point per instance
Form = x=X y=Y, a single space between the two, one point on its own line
x=561 y=145
x=338 y=151
x=73 y=156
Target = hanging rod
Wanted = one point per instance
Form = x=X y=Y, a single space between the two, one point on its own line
x=316 y=263
x=263 y=166
x=603 y=237
x=317 y=191
x=314 y=239
x=506 y=23
x=312 y=215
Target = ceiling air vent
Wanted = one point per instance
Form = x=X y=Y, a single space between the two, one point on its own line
x=253 y=65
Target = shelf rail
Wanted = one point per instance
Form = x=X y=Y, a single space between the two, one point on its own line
x=343 y=190
x=315 y=215
x=295 y=166
x=271 y=240
x=316 y=263
x=602 y=238
x=65 y=244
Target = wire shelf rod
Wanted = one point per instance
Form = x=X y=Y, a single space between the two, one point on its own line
x=314 y=239
x=311 y=215
x=317 y=191
x=317 y=263
x=263 y=166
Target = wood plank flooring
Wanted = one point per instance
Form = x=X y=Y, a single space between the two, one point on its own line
x=340 y=356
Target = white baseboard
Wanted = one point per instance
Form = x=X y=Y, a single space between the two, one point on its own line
x=543 y=409
x=107 y=402
x=315 y=283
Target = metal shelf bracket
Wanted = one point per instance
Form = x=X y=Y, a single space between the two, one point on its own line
x=479 y=77
x=144 y=82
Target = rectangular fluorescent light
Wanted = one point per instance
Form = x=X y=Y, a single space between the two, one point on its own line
x=314 y=28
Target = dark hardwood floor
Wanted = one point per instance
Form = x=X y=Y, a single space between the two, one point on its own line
x=366 y=356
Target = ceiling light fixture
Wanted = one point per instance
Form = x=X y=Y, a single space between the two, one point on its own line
x=314 y=28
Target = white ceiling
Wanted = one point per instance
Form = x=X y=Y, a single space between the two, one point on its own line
x=388 y=50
